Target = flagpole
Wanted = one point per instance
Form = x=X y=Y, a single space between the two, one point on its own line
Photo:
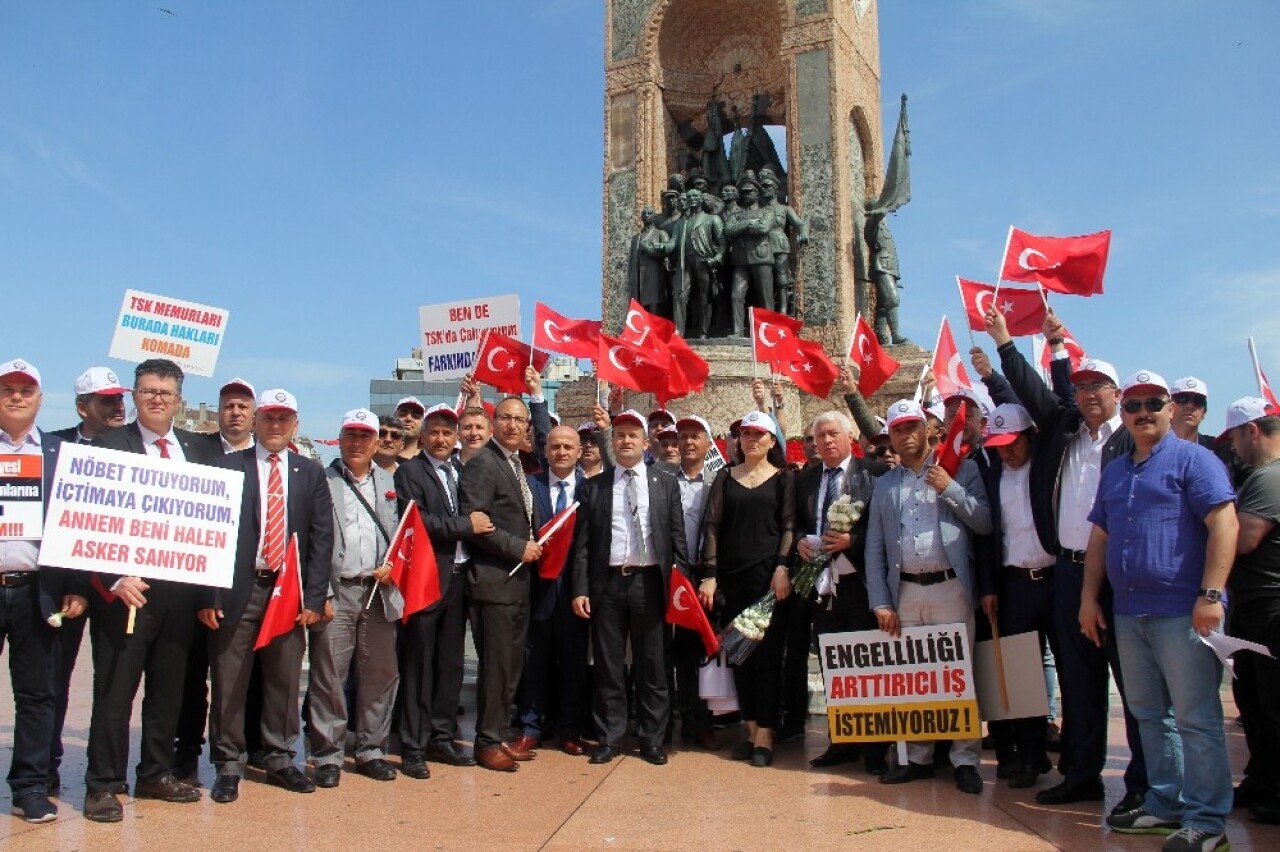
x=755 y=363
x=966 y=310
x=1008 y=241
x=1257 y=367
x=853 y=338
x=412 y=507
x=564 y=516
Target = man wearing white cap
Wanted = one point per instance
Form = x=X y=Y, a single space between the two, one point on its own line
x=918 y=570
x=1165 y=531
x=366 y=609
x=285 y=495
x=1253 y=431
x=410 y=412
x=165 y=622
x=30 y=594
x=1080 y=437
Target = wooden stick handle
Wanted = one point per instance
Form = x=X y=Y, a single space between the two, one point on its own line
x=133 y=618
x=999 y=657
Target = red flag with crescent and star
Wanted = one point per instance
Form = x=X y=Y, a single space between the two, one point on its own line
x=631 y=365
x=813 y=371
x=949 y=374
x=555 y=537
x=775 y=338
x=1074 y=351
x=1023 y=309
x=953 y=450
x=1071 y=265
x=285 y=605
x=577 y=338
x=688 y=371
x=500 y=362
x=876 y=366
x=413 y=564
x=648 y=331
x=685 y=610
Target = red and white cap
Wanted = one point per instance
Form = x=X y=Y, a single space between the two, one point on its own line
x=631 y=415
x=100 y=380
x=441 y=409
x=1189 y=384
x=963 y=393
x=1095 y=368
x=1144 y=380
x=695 y=421
x=903 y=411
x=411 y=400
x=360 y=418
x=21 y=367
x=277 y=399
x=1008 y=421
x=759 y=422
x=1246 y=410
x=238 y=384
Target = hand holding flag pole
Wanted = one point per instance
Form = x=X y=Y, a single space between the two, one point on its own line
x=386 y=563
x=546 y=534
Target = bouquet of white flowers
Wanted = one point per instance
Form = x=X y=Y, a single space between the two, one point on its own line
x=741 y=637
x=843 y=513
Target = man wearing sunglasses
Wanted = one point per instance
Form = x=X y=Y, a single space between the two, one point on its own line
x=1164 y=532
x=390 y=443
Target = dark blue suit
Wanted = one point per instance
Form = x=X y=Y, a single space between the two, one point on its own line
x=554 y=682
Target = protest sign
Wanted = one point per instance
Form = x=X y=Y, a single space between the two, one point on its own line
x=451 y=332
x=1023 y=677
x=712 y=462
x=918 y=686
x=159 y=327
x=125 y=513
x=21 y=503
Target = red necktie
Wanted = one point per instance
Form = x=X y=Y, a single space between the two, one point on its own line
x=163 y=444
x=273 y=548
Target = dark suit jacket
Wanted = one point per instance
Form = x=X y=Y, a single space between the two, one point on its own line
x=309 y=515
x=545 y=592
x=417 y=483
x=489 y=485
x=68 y=434
x=859 y=482
x=55 y=582
x=593 y=535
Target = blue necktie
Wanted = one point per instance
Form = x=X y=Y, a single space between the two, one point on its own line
x=830 y=491
x=562 y=499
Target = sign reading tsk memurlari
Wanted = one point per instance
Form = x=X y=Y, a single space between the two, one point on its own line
x=153 y=326
x=451 y=332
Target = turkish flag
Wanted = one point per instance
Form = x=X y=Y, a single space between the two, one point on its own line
x=813 y=371
x=688 y=371
x=285 y=605
x=1023 y=310
x=1265 y=387
x=648 y=331
x=775 y=338
x=1072 y=265
x=949 y=374
x=555 y=537
x=953 y=450
x=1075 y=351
x=631 y=365
x=413 y=564
x=685 y=610
x=556 y=333
x=876 y=365
x=500 y=362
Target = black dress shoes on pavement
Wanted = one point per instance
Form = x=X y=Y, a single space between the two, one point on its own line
x=968 y=780
x=910 y=772
x=604 y=754
x=377 y=769
x=654 y=755
x=1068 y=792
x=834 y=756
x=414 y=766
x=166 y=788
x=328 y=775
x=450 y=753
x=292 y=779
x=226 y=788
x=103 y=806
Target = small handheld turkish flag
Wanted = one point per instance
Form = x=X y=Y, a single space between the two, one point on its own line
x=647 y=331
x=630 y=365
x=555 y=537
x=688 y=371
x=1075 y=352
x=949 y=374
x=685 y=610
x=953 y=449
x=1071 y=265
x=1023 y=310
x=813 y=371
x=876 y=366
x=282 y=611
x=413 y=564
x=556 y=333
x=500 y=362
x=775 y=338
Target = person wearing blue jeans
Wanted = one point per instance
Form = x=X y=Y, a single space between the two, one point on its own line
x=1164 y=533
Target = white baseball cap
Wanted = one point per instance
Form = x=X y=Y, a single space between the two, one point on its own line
x=442 y=409
x=632 y=415
x=278 y=399
x=242 y=384
x=937 y=412
x=962 y=393
x=1098 y=368
x=1246 y=410
x=411 y=400
x=760 y=422
x=903 y=411
x=99 y=380
x=360 y=418
x=1144 y=379
x=1007 y=422
x=1189 y=384
x=694 y=420
x=21 y=367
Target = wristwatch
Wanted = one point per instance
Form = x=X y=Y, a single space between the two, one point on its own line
x=1212 y=595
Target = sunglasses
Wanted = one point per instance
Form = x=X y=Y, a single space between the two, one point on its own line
x=1191 y=399
x=387 y=433
x=1133 y=406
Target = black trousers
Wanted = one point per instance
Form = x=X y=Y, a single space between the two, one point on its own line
x=797 y=637
x=635 y=607
x=432 y=647
x=1257 y=691
x=31 y=643
x=1025 y=605
x=157 y=648
x=846 y=611
x=66 y=649
x=687 y=654
x=499 y=631
x=554 y=679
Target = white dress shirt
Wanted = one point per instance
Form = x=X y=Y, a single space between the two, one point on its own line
x=624 y=549
x=264 y=478
x=149 y=439
x=1078 y=485
x=460 y=554
x=358 y=529
x=1021 y=543
x=819 y=506
x=20 y=554
x=227 y=449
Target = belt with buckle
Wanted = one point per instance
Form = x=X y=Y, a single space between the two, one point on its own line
x=929 y=578
x=357 y=581
x=1031 y=573
x=14 y=579
x=628 y=570
x=264 y=576
x=1072 y=555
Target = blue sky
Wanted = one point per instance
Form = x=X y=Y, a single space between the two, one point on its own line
x=321 y=169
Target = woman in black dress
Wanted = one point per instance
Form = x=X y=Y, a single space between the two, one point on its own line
x=748 y=530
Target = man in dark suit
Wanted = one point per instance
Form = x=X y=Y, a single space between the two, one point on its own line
x=161 y=636
x=630 y=532
x=284 y=495
x=498 y=580
x=29 y=595
x=433 y=639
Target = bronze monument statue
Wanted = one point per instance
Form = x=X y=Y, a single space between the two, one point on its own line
x=883 y=254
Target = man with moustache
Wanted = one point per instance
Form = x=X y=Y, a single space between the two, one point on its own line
x=1165 y=532
x=433 y=646
x=159 y=644
x=390 y=443
x=502 y=559
x=410 y=412
x=235 y=416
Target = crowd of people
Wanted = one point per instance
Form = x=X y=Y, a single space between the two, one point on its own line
x=1090 y=511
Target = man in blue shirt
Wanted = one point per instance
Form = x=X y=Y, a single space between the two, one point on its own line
x=1164 y=533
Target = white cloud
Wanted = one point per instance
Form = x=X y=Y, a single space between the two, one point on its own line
x=1242 y=302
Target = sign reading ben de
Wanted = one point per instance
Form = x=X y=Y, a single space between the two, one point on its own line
x=451 y=332
x=916 y=686
x=153 y=326
x=129 y=514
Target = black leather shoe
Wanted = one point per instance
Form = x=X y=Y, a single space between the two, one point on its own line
x=761 y=757
x=603 y=754
x=166 y=788
x=103 y=806
x=876 y=764
x=654 y=755
x=377 y=769
x=1131 y=801
x=292 y=779
x=450 y=753
x=328 y=775
x=226 y=788
x=968 y=780
x=1268 y=812
x=1067 y=792
x=1244 y=796
x=414 y=767
x=834 y=756
x=910 y=772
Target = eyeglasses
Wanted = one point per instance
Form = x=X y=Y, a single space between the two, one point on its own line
x=160 y=395
x=1133 y=406
x=1093 y=387
x=387 y=433
x=1192 y=399
x=881 y=452
x=512 y=418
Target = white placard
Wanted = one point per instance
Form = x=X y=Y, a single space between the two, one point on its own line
x=451 y=332
x=130 y=514
x=153 y=326
x=21 y=496
x=1023 y=678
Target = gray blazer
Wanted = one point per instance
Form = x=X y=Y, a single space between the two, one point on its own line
x=392 y=600
x=963 y=512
